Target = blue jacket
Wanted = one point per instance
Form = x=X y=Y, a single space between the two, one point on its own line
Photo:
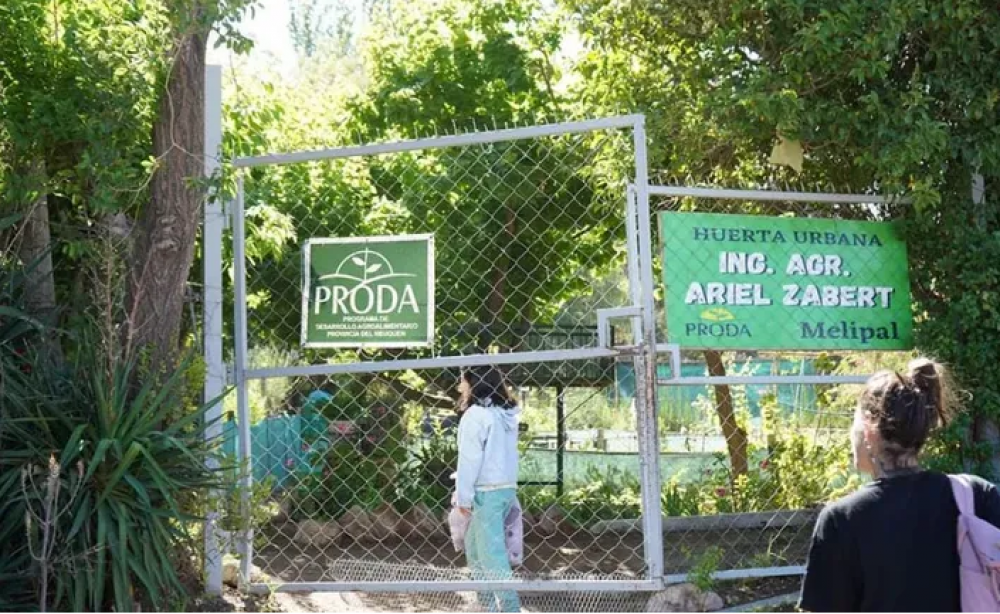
x=487 y=451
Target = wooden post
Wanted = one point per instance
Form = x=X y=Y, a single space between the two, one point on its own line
x=560 y=438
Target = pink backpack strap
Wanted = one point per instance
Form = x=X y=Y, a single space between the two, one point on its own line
x=961 y=488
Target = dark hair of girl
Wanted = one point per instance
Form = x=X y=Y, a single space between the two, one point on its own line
x=906 y=407
x=486 y=386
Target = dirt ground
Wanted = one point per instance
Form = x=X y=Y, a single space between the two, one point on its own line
x=734 y=593
x=561 y=556
x=577 y=556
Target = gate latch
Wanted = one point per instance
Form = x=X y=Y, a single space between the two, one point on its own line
x=604 y=328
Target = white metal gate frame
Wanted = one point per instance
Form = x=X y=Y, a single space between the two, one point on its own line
x=641 y=312
x=674 y=350
x=644 y=354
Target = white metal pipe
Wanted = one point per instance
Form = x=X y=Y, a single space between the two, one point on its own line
x=743 y=574
x=667 y=348
x=459 y=140
x=778 y=519
x=440 y=362
x=211 y=304
x=651 y=550
x=240 y=368
x=632 y=257
x=650 y=442
x=776 y=195
x=409 y=586
x=762 y=380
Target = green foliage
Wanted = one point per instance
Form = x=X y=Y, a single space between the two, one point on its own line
x=890 y=97
x=611 y=495
x=608 y=496
x=459 y=66
x=426 y=477
x=701 y=573
x=16 y=581
x=79 y=75
x=795 y=472
x=118 y=486
x=678 y=499
x=336 y=480
x=586 y=408
x=79 y=82
x=236 y=498
x=316 y=25
x=353 y=460
x=484 y=65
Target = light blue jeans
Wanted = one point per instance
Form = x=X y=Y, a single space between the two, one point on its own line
x=486 y=548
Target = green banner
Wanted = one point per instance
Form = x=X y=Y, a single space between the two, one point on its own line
x=368 y=292
x=757 y=282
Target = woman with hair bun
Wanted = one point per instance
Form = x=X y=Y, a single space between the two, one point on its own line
x=891 y=546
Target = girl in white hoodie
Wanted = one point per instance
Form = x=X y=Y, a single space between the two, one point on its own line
x=486 y=484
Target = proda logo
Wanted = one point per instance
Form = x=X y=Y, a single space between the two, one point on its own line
x=718 y=322
x=368 y=285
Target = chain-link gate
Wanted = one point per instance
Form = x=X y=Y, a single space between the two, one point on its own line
x=356 y=446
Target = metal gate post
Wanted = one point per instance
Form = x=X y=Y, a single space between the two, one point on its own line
x=211 y=302
x=245 y=462
x=560 y=439
x=649 y=442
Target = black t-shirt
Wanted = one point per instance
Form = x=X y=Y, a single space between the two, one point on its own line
x=891 y=547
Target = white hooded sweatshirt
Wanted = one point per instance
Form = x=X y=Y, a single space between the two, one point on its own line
x=487 y=451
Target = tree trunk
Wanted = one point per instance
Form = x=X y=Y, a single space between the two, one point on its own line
x=165 y=241
x=34 y=249
x=736 y=437
x=496 y=300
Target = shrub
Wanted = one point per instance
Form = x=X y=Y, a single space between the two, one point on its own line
x=426 y=476
x=337 y=479
x=95 y=486
x=608 y=496
x=703 y=571
x=792 y=471
x=677 y=499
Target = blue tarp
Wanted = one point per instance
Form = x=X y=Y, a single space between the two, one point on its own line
x=276 y=446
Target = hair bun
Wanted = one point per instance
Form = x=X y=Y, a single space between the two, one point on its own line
x=924 y=373
x=931 y=382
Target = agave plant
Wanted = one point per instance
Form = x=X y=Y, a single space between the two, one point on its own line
x=95 y=485
x=16 y=586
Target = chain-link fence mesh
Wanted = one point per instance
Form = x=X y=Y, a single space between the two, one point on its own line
x=363 y=479
x=746 y=497
x=527 y=235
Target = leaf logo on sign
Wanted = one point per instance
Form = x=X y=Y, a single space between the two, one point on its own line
x=362 y=267
x=717 y=314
